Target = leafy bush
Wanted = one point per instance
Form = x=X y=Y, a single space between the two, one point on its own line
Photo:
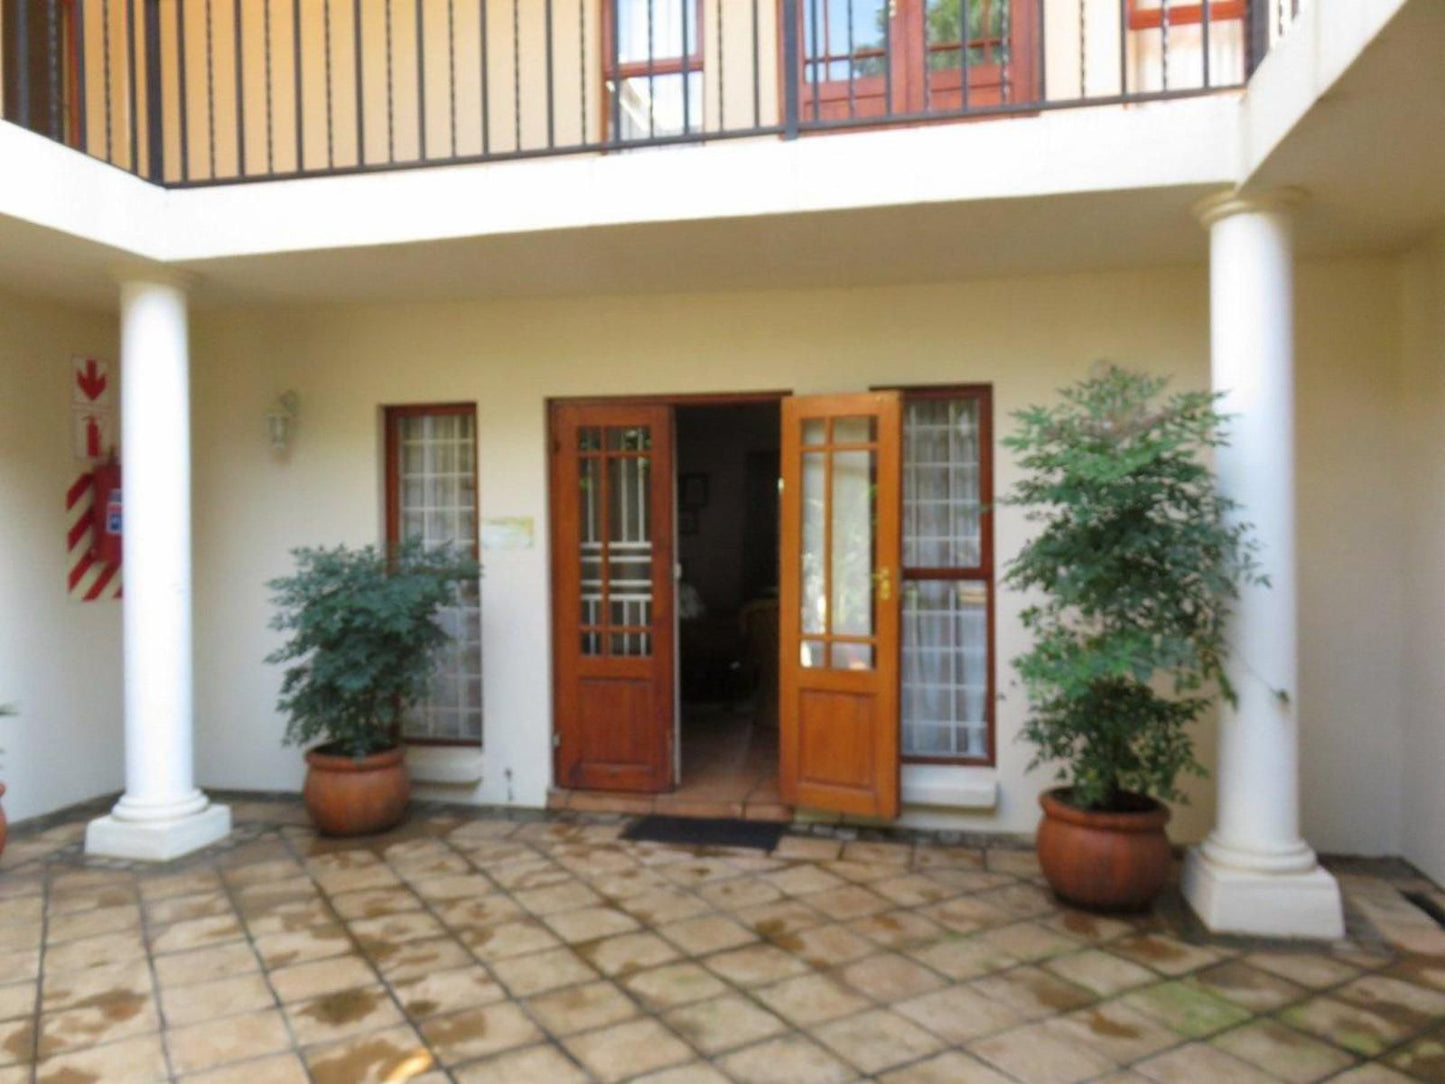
x=363 y=636
x=1140 y=560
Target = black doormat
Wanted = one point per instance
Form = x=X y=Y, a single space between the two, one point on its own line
x=722 y=832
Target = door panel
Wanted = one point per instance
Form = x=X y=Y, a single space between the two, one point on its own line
x=612 y=561
x=838 y=654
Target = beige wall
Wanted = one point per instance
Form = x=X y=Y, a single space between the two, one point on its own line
x=59 y=660
x=1423 y=630
x=1026 y=337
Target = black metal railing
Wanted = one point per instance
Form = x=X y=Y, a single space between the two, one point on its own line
x=192 y=92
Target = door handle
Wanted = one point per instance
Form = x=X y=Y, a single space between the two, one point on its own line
x=883 y=582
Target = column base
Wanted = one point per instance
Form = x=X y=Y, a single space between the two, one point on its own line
x=157 y=840
x=1227 y=899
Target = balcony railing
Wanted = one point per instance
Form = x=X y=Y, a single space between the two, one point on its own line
x=193 y=92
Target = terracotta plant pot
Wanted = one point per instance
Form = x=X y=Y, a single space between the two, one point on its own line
x=3 y=823
x=1104 y=861
x=350 y=797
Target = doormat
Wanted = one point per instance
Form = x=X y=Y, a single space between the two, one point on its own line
x=700 y=832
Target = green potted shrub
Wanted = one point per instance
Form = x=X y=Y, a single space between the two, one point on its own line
x=362 y=635
x=1133 y=569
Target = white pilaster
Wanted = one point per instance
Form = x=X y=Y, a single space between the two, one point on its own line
x=1255 y=874
x=161 y=814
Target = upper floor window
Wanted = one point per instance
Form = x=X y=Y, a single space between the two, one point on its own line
x=431 y=495
x=1152 y=14
x=654 y=68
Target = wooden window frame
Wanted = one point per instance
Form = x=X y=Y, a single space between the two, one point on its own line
x=641 y=69
x=1220 y=11
x=983 y=572
x=391 y=417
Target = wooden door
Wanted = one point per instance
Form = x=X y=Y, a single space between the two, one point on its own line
x=612 y=575
x=838 y=656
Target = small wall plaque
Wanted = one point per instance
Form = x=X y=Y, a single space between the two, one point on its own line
x=507 y=533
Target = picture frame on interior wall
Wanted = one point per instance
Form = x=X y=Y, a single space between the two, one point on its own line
x=692 y=491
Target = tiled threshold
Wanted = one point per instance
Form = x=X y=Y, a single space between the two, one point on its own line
x=680 y=804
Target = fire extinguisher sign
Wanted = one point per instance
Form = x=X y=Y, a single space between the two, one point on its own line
x=93 y=518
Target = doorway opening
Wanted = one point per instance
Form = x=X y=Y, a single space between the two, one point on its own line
x=727 y=466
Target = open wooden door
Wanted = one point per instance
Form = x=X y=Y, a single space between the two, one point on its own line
x=612 y=574
x=838 y=709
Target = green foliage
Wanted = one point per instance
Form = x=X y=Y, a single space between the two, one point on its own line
x=1139 y=560
x=363 y=636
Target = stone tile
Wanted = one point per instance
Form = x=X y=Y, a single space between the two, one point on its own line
x=446 y=991
x=141 y=1060
x=1019 y=863
x=1249 y=986
x=707 y=934
x=889 y=853
x=811 y=999
x=20 y=965
x=314 y=943
x=954 y=1067
x=111 y=948
x=738 y=893
x=375 y=902
x=626 y=1050
x=18 y=999
x=1424 y=1058
x=219 y=1042
x=321 y=977
x=803 y=880
x=676 y=984
x=808 y=848
x=888 y=977
x=563 y=896
x=899 y=929
x=1315 y=970
x=479 y=1032
x=843 y=904
x=509 y=939
x=92 y=923
x=755 y=965
x=275 y=1069
x=479 y=911
x=1360 y=1030
x=662 y=906
x=1036 y=1054
x=165 y=885
x=184 y=1005
x=17 y=1041
x=914 y=890
x=71 y=989
x=104 y=1018
x=1114 y=1031
x=695 y=873
x=694 y=1072
x=876 y=1040
x=590 y=924
x=791 y=1059
x=183 y=908
x=1187 y=1008
x=377 y=936
x=421 y=958
x=541 y=1064
x=959 y=1014
x=581 y=1008
x=201 y=965
x=966 y=914
x=1167 y=955
x=723 y=1024
x=962 y=959
x=1029 y=941
x=524 y=976
x=1099 y=972
x=825 y=946
x=196 y=933
x=1198 y=1062
x=626 y=953
x=382 y=1057
x=1374 y=1073
x=1094 y=929
x=1032 y=992
x=1413 y=1008
x=1283 y=1052
x=861 y=872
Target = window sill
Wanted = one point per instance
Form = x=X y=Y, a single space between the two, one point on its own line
x=456 y=765
x=950 y=786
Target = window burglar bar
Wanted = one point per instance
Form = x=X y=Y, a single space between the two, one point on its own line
x=199 y=92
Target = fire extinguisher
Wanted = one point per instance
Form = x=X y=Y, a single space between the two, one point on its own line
x=105 y=513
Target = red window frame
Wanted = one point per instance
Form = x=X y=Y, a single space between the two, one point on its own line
x=1152 y=18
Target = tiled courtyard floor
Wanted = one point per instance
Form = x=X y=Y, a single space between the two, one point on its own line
x=479 y=948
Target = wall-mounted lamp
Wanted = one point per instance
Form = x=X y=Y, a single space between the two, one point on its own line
x=281 y=417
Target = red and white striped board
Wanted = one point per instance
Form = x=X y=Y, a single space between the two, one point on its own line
x=89 y=579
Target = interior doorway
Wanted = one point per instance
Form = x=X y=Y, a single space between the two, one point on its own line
x=727 y=466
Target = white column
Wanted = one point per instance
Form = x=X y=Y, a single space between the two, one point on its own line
x=162 y=814
x=1255 y=874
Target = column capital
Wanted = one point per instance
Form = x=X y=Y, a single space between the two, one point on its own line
x=1234 y=202
x=137 y=271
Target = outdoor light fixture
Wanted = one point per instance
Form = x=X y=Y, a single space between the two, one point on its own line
x=280 y=418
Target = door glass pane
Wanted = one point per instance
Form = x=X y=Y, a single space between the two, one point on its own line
x=813 y=575
x=942 y=506
x=815 y=431
x=438 y=504
x=855 y=430
x=987 y=29
x=945 y=669
x=850 y=656
x=589 y=527
x=629 y=541
x=852 y=550
x=834 y=44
